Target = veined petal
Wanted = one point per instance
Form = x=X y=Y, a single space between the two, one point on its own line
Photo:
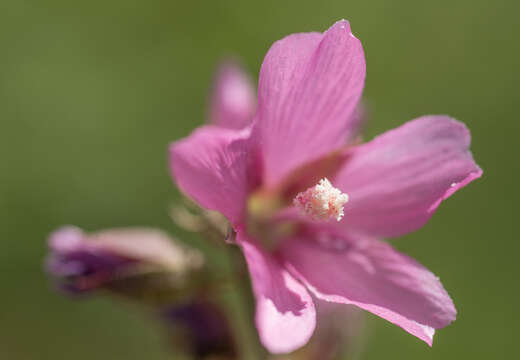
x=285 y=314
x=396 y=181
x=374 y=277
x=308 y=90
x=211 y=167
x=233 y=99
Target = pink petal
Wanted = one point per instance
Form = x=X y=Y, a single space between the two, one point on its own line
x=233 y=100
x=396 y=181
x=211 y=167
x=376 y=278
x=308 y=90
x=285 y=313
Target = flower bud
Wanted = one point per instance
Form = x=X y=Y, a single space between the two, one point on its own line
x=201 y=329
x=143 y=264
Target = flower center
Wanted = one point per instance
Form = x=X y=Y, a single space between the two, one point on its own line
x=322 y=201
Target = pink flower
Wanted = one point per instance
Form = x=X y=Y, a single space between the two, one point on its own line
x=309 y=88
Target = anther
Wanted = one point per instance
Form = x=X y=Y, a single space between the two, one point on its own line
x=322 y=201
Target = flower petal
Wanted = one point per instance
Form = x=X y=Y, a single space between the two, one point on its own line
x=374 y=277
x=396 y=181
x=211 y=167
x=285 y=313
x=308 y=90
x=233 y=99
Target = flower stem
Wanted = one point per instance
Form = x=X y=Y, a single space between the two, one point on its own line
x=239 y=306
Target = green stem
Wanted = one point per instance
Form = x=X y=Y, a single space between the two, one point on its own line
x=239 y=304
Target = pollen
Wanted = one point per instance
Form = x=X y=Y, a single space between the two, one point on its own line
x=322 y=201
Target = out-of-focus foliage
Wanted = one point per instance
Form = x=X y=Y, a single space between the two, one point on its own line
x=91 y=93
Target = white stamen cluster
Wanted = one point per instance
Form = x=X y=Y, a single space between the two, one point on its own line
x=322 y=201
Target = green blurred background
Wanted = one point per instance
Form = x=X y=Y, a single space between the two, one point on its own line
x=92 y=92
